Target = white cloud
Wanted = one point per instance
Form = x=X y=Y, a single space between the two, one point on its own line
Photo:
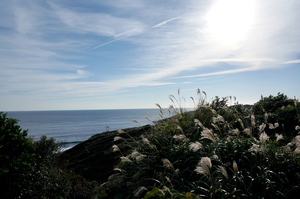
x=98 y=23
x=46 y=48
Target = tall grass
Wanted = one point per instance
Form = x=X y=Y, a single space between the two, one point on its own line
x=215 y=151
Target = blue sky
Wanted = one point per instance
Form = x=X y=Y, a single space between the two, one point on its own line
x=73 y=54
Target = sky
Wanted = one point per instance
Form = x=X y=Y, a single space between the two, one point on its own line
x=123 y=54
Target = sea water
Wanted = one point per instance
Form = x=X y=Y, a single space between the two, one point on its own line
x=73 y=127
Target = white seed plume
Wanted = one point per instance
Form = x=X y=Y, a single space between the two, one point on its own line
x=263 y=137
x=137 y=155
x=197 y=122
x=167 y=163
x=113 y=176
x=262 y=127
x=145 y=141
x=118 y=138
x=276 y=125
x=120 y=131
x=181 y=137
x=235 y=131
x=179 y=128
x=278 y=137
x=297 y=128
x=195 y=146
x=216 y=127
x=241 y=123
x=266 y=117
x=206 y=161
x=253 y=121
x=254 y=148
x=207 y=134
x=125 y=159
x=235 y=167
x=137 y=193
x=219 y=118
x=297 y=150
x=223 y=171
x=118 y=170
x=176 y=172
x=271 y=126
x=214 y=111
x=248 y=131
x=204 y=166
x=115 y=148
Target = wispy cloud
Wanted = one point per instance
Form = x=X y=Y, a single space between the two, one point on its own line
x=59 y=48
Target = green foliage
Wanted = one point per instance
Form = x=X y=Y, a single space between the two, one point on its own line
x=279 y=109
x=30 y=169
x=15 y=158
x=210 y=153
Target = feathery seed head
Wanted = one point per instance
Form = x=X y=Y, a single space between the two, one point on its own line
x=137 y=193
x=158 y=106
x=125 y=159
x=207 y=134
x=235 y=131
x=254 y=148
x=235 y=167
x=176 y=172
x=197 y=122
x=223 y=171
x=181 y=137
x=253 y=121
x=120 y=131
x=278 y=137
x=219 y=118
x=137 y=155
x=113 y=176
x=145 y=141
x=248 y=131
x=297 y=150
x=276 y=125
x=179 y=128
x=195 y=146
x=266 y=117
x=271 y=126
x=134 y=121
x=262 y=127
x=263 y=137
x=241 y=123
x=297 y=128
x=118 y=170
x=118 y=138
x=203 y=166
x=216 y=127
x=115 y=148
x=167 y=163
x=214 y=111
x=206 y=161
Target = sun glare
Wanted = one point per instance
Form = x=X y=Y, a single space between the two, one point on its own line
x=228 y=21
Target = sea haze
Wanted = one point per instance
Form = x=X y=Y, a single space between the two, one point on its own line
x=73 y=127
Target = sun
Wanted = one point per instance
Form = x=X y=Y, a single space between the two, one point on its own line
x=228 y=21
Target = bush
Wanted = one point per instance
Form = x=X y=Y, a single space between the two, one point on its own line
x=30 y=169
x=15 y=158
x=223 y=153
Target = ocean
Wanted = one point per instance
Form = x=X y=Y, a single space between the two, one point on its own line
x=73 y=127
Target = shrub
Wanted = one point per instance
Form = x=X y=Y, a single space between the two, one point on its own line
x=224 y=153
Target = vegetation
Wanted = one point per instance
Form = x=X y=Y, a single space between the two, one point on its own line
x=29 y=169
x=219 y=150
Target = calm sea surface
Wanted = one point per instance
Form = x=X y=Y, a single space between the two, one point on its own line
x=73 y=127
